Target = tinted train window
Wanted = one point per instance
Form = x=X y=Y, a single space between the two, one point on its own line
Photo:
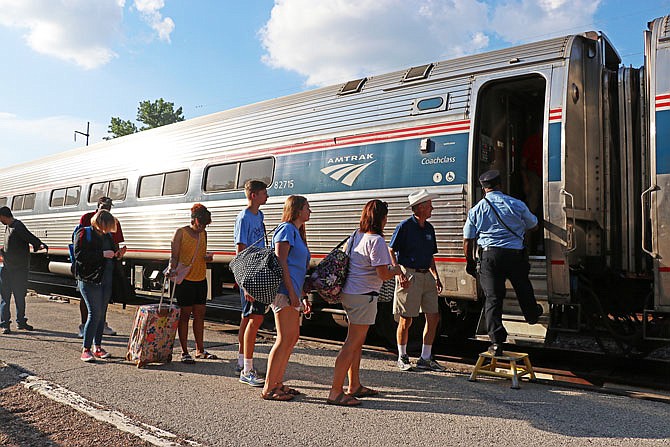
x=114 y=189
x=165 y=184
x=256 y=170
x=233 y=175
x=221 y=177
x=23 y=202
x=65 y=196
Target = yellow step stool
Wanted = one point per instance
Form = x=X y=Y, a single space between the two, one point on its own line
x=516 y=371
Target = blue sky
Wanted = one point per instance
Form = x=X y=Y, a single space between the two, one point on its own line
x=66 y=62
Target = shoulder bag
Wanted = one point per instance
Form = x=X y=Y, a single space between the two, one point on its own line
x=257 y=271
x=330 y=274
x=180 y=272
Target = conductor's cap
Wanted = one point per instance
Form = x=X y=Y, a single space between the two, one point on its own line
x=489 y=179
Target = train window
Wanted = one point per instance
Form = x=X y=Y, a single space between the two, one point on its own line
x=3 y=201
x=118 y=189
x=256 y=170
x=151 y=186
x=72 y=196
x=175 y=183
x=114 y=189
x=23 y=202
x=57 y=197
x=431 y=104
x=221 y=177
x=165 y=184
x=65 y=196
x=354 y=86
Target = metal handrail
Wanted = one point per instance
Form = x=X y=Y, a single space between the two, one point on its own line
x=572 y=243
x=649 y=190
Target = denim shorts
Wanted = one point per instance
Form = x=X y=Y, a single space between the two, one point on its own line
x=251 y=308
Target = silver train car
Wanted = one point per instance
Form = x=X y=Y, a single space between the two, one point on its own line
x=600 y=264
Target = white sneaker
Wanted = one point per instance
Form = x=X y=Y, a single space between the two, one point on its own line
x=81 y=331
x=108 y=330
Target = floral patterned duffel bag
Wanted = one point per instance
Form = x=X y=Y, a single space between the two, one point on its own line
x=330 y=274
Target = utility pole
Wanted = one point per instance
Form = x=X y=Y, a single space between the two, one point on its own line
x=87 y=134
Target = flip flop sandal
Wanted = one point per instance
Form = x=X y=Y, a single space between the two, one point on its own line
x=277 y=394
x=292 y=391
x=186 y=358
x=206 y=355
x=344 y=400
x=364 y=392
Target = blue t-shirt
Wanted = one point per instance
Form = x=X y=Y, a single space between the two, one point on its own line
x=482 y=222
x=414 y=246
x=298 y=255
x=249 y=228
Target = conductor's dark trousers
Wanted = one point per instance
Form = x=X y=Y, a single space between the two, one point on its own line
x=498 y=264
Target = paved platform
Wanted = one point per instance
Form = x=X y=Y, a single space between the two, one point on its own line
x=206 y=403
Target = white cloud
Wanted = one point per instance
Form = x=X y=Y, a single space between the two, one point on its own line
x=150 y=11
x=524 y=20
x=79 y=31
x=48 y=136
x=335 y=40
x=330 y=41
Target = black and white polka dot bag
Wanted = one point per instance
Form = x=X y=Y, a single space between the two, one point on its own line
x=258 y=272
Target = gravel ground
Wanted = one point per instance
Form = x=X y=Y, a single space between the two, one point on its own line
x=30 y=419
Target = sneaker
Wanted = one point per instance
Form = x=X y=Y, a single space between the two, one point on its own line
x=404 y=363
x=251 y=379
x=429 y=365
x=81 y=331
x=26 y=327
x=87 y=356
x=6 y=330
x=101 y=354
x=108 y=330
x=239 y=369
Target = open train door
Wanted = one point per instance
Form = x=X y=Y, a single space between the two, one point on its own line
x=656 y=198
x=509 y=135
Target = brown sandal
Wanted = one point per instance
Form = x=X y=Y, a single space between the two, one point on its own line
x=344 y=400
x=288 y=390
x=277 y=394
x=364 y=392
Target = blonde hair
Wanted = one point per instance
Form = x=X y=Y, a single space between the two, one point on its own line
x=292 y=208
x=104 y=221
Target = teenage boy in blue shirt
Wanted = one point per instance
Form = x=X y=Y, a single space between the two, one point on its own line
x=250 y=230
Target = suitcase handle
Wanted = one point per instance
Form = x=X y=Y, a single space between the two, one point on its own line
x=171 y=287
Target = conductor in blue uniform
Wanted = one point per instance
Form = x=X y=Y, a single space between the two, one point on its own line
x=497 y=224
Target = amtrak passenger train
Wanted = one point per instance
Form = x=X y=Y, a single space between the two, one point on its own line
x=600 y=265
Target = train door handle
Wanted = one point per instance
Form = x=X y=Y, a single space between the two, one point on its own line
x=652 y=188
x=572 y=243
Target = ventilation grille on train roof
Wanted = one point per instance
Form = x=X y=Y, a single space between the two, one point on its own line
x=416 y=73
x=354 y=86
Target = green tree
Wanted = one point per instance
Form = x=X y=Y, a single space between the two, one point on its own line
x=152 y=114
x=158 y=113
x=120 y=128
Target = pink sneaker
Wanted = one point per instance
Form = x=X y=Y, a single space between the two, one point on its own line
x=101 y=353
x=87 y=356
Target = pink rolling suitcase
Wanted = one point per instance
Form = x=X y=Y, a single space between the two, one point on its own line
x=154 y=330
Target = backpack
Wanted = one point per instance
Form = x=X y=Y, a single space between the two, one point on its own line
x=70 y=247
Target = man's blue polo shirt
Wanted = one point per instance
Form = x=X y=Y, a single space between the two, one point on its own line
x=414 y=246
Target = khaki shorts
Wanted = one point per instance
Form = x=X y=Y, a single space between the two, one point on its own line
x=419 y=297
x=282 y=301
x=361 y=309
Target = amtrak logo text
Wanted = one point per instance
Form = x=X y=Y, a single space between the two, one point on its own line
x=347 y=158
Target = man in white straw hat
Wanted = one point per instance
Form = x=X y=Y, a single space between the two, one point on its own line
x=412 y=247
